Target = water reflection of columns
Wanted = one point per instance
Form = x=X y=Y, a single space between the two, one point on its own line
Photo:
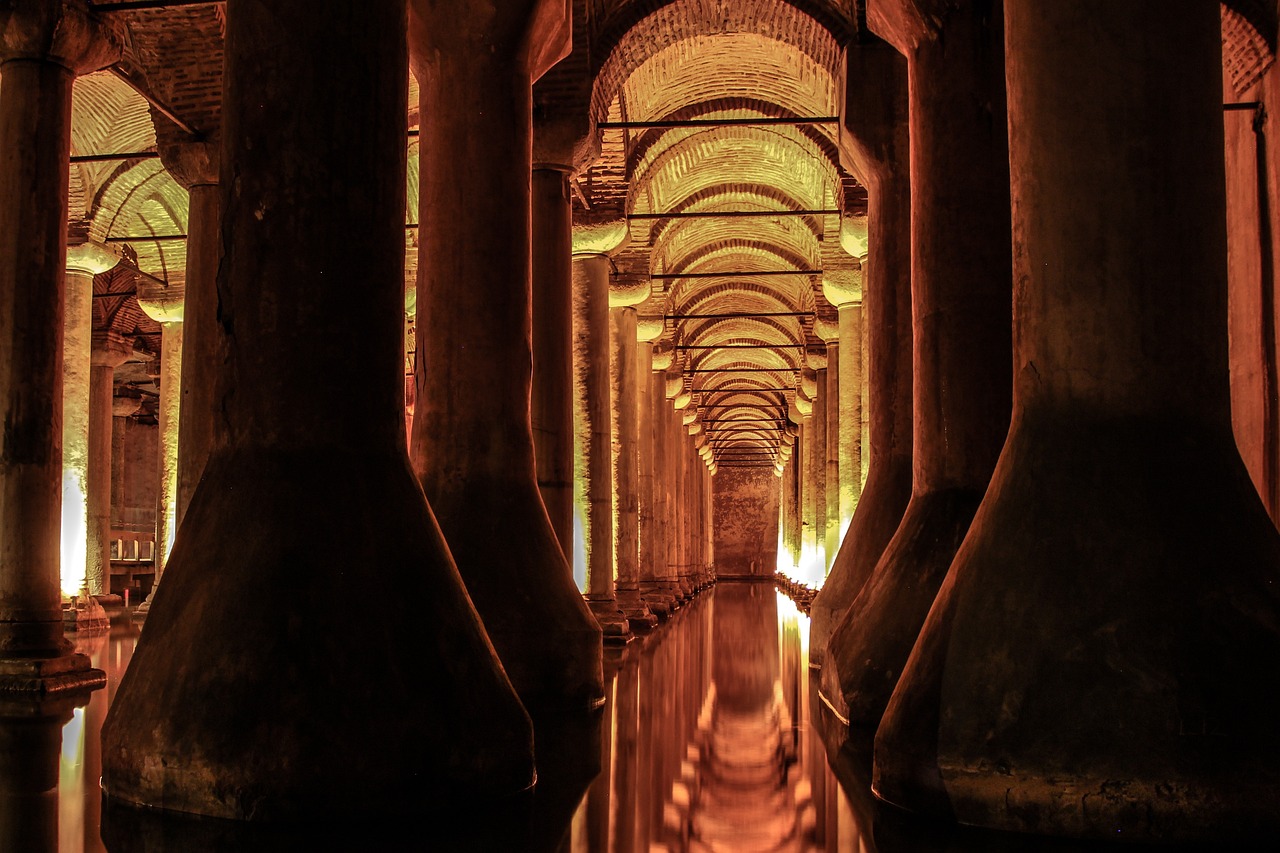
x=30 y=744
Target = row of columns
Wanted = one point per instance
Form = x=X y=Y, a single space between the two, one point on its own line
x=641 y=530
x=1070 y=628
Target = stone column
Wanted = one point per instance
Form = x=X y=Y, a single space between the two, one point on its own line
x=110 y=350
x=679 y=449
x=665 y=587
x=308 y=503
x=78 y=560
x=593 y=468
x=1107 y=636
x=818 y=465
x=626 y=462
x=831 y=392
x=551 y=407
x=472 y=439
x=165 y=306
x=199 y=421
x=42 y=47
x=850 y=383
x=648 y=393
x=874 y=141
x=665 y=450
x=961 y=303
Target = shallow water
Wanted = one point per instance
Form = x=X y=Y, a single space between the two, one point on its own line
x=705 y=744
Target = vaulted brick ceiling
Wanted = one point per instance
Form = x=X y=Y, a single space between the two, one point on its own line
x=634 y=61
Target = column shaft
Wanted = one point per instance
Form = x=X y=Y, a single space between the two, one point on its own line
x=646 y=456
x=200 y=425
x=35 y=127
x=98 y=481
x=169 y=419
x=593 y=403
x=311 y=498
x=850 y=383
x=551 y=406
x=623 y=367
x=1115 y=592
x=961 y=293
x=77 y=343
x=874 y=135
x=472 y=438
x=835 y=420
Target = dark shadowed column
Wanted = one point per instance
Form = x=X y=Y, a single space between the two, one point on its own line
x=961 y=295
x=874 y=139
x=1104 y=657
x=42 y=47
x=473 y=444
x=551 y=404
x=228 y=706
x=200 y=427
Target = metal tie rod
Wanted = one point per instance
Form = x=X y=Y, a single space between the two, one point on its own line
x=732 y=214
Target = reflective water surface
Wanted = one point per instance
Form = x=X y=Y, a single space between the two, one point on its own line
x=706 y=743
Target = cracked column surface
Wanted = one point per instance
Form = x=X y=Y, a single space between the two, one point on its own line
x=624 y=374
x=1104 y=659
x=593 y=477
x=472 y=439
x=43 y=45
x=874 y=137
x=227 y=707
x=961 y=296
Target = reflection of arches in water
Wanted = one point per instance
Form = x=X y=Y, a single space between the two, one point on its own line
x=747 y=796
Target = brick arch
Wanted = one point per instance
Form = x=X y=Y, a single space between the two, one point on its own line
x=1249 y=32
x=630 y=33
x=107 y=117
x=781 y=158
x=821 y=139
x=142 y=201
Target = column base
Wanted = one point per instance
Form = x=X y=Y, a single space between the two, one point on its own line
x=636 y=610
x=614 y=624
x=880 y=514
x=1103 y=658
x=39 y=677
x=873 y=638
x=658 y=599
x=277 y=544
x=85 y=616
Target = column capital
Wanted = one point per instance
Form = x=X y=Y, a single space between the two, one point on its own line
x=628 y=291
x=192 y=163
x=123 y=407
x=841 y=287
x=110 y=349
x=663 y=358
x=162 y=304
x=599 y=238
x=66 y=33
x=90 y=258
x=649 y=329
